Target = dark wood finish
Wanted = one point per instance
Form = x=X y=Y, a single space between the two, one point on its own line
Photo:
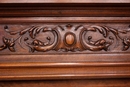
x=67 y=37
x=69 y=83
x=64 y=43
x=66 y=12
x=64 y=1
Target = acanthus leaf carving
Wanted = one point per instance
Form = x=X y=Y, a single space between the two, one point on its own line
x=67 y=38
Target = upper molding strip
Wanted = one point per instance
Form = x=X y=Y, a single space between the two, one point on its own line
x=64 y=1
x=14 y=20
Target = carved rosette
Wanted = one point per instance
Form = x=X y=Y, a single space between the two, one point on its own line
x=67 y=38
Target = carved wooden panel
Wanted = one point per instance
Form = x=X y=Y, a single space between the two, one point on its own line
x=70 y=38
x=54 y=41
x=64 y=50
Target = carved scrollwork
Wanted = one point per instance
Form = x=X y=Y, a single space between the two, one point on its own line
x=100 y=44
x=66 y=38
x=35 y=45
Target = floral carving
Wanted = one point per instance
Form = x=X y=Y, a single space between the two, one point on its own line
x=67 y=38
x=126 y=43
x=8 y=43
x=100 y=44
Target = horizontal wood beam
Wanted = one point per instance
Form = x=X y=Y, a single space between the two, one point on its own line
x=64 y=1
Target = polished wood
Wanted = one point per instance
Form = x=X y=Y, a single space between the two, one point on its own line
x=66 y=38
x=65 y=11
x=64 y=1
x=18 y=20
x=64 y=66
x=64 y=43
x=69 y=83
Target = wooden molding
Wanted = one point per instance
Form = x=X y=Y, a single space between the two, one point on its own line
x=65 y=1
x=65 y=38
x=40 y=43
x=28 y=20
x=65 y=11
x=67 y=66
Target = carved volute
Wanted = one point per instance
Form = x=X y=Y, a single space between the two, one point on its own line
x=68 y=38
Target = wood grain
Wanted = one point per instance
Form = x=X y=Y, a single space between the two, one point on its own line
x=19 y=20
x=92 y=67
x=69 y=83
x=70 y=11
x=65 y=1
x=36 y=67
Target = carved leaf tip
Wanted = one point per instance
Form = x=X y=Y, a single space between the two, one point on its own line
x=126 y=43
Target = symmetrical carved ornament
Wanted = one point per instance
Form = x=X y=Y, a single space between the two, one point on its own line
x=68 y=38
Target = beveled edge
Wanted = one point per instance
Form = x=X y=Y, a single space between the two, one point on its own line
x=64 y=1
x=16 y=20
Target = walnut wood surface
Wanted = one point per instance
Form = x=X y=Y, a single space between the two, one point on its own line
x=64 y=1
x=67 y=64
x=64 y=41
x=65 y=38
x=69 y=83
x=65 y=11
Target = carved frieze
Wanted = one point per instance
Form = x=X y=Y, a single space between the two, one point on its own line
x=68 y=38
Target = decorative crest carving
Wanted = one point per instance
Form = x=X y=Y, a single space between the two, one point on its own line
x=67 y=38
